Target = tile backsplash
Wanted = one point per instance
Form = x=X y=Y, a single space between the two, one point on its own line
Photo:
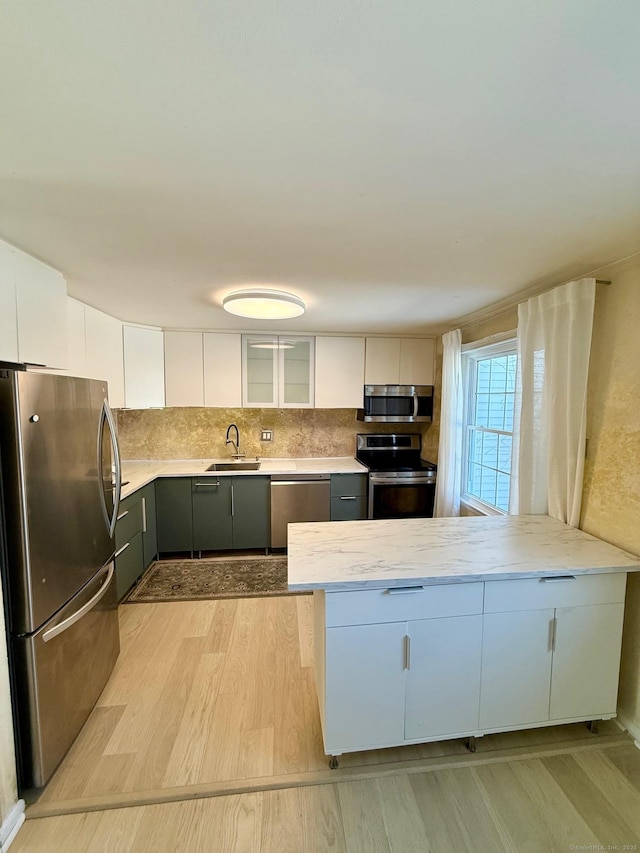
x=199 y=433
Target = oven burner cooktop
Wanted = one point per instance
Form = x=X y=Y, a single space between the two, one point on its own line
x=393 y=455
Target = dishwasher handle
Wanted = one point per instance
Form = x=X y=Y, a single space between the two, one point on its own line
x=291 y=479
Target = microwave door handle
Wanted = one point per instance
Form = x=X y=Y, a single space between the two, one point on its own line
x=416 y=406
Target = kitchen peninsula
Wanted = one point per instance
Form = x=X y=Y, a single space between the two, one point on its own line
x=459 y=627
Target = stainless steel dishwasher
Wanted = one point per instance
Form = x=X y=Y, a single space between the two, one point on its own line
x=297 y=497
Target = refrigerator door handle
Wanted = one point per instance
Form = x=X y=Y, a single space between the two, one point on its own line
x=75 y=617
x=106 y=415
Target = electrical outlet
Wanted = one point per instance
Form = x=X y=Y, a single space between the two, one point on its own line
x=266 y=435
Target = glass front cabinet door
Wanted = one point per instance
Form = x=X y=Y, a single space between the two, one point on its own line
x=277 y=371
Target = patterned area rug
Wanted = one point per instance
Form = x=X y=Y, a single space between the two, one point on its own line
x=221 y=577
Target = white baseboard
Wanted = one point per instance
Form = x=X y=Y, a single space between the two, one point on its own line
x=10 y=825
x=631 y=726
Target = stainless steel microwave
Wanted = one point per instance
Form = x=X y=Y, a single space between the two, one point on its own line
x=397 y=404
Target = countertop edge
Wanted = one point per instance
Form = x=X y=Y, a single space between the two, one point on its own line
x=157 y=468
x=392 y=583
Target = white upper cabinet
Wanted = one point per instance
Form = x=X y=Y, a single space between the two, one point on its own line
x=94 y=346
x=183 y=369
x=9 y=314
x=33 y=326
x=143 y=367
x=222 y=369
x=399 y=361
x=339 y=372
x=417 y=357
x=41 y=298
x=382 y=361
x=104 y=352
x=278 y=371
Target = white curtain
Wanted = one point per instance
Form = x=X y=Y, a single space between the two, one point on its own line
x=451 y=428
x=554 y=342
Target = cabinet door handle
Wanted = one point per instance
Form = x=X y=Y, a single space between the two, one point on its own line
x=559 y=579
x=407 y=652
x=404 y=590
x=347 y=497
x=144 y=515
x=553 y=630
x=120 y=550
x=232 y=505
x=206 y=485
x=122 y=515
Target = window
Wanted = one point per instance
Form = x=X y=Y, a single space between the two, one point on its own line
x=490 y=382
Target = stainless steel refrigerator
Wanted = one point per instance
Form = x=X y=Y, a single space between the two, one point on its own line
x=60 y=492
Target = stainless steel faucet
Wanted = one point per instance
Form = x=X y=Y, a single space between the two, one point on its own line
x=238 y=454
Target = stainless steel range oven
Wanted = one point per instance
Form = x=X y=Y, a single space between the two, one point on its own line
x=401 y=483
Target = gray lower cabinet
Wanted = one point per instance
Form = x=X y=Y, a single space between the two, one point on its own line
x=136 y=541
x=149 y=525
x=174 y=514
x=348 y=497
x=251 y=512
x=128 y=536
x=230 y=512
x=212 y=513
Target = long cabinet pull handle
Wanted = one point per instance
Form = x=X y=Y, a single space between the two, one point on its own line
x=144 y=515
x=232 y=504
x=553 y=630
x=347 y=497
x=404 y=590
x=206 y=485
x=559 y=579
x=120 y=550
x=122 y=515
x=407 y=651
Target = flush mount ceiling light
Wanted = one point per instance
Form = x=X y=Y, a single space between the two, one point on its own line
x=263 y=304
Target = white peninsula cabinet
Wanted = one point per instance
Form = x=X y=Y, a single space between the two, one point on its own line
x=459 y=628
x=563 y=656
x=401 y=664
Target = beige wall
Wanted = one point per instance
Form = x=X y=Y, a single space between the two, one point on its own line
x=611 y=494
x=194 y=433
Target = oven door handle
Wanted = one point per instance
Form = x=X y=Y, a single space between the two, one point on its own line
x=401 y=481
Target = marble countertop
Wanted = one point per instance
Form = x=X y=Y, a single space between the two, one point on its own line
x=344 y=555
x=138 y=472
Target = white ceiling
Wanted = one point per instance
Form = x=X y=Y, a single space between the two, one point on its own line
x=396 y=163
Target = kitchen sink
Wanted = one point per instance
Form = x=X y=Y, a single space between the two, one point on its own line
x=234 y=466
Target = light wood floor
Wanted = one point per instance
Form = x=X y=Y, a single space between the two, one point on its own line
x=209 y=733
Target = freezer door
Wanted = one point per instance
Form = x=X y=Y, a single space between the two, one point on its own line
x=59 y=674
x=55 y=490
